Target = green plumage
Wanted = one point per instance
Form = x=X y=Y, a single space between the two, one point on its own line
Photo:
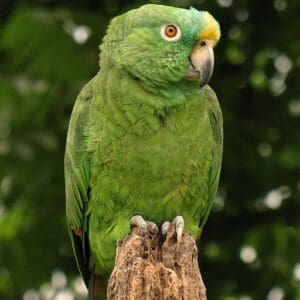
x=141 y=139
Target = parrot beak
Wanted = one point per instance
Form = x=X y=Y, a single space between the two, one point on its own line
x=201 y=62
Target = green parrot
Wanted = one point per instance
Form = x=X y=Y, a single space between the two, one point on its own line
x=144 y=144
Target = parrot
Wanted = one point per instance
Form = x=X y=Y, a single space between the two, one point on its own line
x=145 y=137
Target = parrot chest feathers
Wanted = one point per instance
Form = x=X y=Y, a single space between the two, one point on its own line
x=154 y=170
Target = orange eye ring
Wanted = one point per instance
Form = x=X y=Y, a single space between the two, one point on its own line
x=171 y=31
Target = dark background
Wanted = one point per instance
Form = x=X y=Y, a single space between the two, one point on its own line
x=250 y=247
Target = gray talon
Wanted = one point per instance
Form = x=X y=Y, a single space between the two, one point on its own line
x=152 y=227
x=143 y=226
x=140 y=223
x=165 y=228
x=179 y=224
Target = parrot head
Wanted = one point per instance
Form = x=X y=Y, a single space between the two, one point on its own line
x=160 y=44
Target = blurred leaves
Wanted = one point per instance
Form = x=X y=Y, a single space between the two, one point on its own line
x=49 y=49
x=40 y=42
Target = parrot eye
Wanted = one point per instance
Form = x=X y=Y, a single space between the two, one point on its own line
x=170 y=33
x=202 y=43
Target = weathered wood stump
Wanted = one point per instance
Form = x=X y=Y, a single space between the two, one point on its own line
x=148 y=268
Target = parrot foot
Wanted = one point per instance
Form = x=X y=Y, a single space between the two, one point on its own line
x=179 y=226
x=179 y=223
x=142 y=225
x=152 y=227
x=165 y=227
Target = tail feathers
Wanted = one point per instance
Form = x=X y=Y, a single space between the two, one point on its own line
x=97 y=288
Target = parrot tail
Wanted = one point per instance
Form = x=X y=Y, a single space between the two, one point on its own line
x=97 y=288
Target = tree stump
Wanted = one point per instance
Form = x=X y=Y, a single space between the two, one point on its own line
x=148 y=268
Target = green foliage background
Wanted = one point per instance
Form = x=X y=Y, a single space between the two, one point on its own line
x=250 y=248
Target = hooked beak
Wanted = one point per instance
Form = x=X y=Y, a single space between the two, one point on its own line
x=201 y=62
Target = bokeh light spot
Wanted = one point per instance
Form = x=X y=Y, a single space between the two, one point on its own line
x=276 y=293
x=235 y=55
x=248 y=254
x=80 y=288
x=277 y=86
x=31 y=295
x=235 y=33
x=212 y=250
x=81 y=34
x=58 y=279
x=296 y=272
x=273 y=199
x=242 y=15
x=264 y=149
x=245 y=297
x=294 y=107
x=225 y=3
x=64 y=295
x=280 y=5
x=258 y=79
x=283 y=64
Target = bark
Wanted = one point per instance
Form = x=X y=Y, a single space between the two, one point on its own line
x=148 y=268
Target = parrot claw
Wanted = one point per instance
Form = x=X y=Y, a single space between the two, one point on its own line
x=152 y=227
x=165 y=228
x=178 y=222
x=179 y=225
x=142 y=225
